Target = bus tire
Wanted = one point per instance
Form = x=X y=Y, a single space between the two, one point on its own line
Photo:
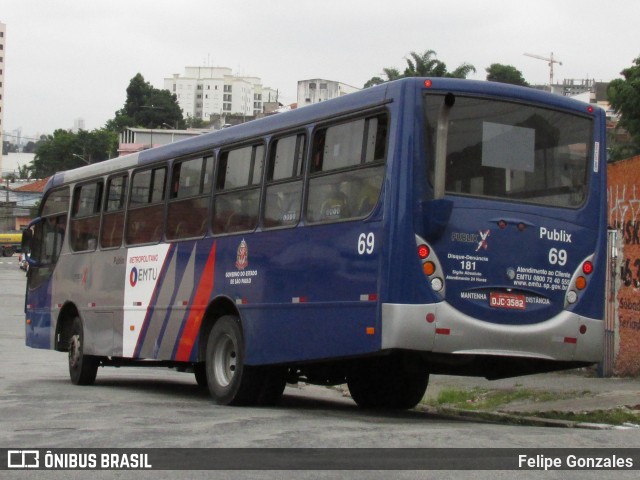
x=274 y=380
x=200 y=372
x=230 y=381
x=386 y=383
x=82 y=368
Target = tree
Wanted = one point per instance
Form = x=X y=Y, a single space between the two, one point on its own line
x=30 y=147
x=24 y=172
x=390 y=73
x=505 y=74
x=147 y=107
x=462 y=71
x=624 y=97
x=423 y=65
x=65 y=150
x=53 y=154
x=8 y=147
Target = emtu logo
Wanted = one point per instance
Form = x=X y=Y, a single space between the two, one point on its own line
x=133 y=276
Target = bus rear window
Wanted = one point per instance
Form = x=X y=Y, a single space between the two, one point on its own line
x=513 y=151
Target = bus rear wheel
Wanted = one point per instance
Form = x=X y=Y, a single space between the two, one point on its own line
x=82 y=368
x=386 y=383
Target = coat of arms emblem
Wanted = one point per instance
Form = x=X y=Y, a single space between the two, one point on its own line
x=242 y=256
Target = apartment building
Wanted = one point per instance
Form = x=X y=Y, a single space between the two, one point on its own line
x=320 y=90
x=203 y=92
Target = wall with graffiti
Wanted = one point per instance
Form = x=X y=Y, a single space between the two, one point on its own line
x=624 y=216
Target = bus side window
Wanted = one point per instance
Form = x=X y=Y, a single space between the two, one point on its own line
x=146 y=206
x=112 y=229
x=85 y=217
x=188 y=211
x=53 y=237
x=237 y=196
x=284 y=182
x=347 y=170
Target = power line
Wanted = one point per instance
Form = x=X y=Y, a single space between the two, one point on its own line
x=4 y=134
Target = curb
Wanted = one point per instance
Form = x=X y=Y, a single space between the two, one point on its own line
x=511 y=418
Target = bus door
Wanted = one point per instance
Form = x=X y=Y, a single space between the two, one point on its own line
x=47 y=235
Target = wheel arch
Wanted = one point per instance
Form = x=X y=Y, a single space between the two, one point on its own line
x=64 y=325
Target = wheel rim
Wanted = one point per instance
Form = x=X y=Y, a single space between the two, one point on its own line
x=225 y=360
x=74 y=351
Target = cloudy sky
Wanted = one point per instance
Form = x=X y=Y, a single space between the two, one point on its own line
x=66 y=59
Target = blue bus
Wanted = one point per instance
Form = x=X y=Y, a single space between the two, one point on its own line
x=423 y=226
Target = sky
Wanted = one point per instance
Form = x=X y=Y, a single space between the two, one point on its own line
x=69 y=59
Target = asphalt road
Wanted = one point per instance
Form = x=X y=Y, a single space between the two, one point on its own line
x=140 y=408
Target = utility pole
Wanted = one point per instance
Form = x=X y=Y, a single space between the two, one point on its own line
x=550 y=61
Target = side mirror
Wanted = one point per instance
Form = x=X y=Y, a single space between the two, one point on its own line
x=27 y=241
x=27 y=236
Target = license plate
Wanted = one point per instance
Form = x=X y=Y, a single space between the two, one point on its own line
x=507 y=300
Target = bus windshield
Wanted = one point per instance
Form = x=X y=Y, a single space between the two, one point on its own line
x=513 y=151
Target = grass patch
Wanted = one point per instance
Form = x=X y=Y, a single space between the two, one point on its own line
x=615 y=416
x=484 y=399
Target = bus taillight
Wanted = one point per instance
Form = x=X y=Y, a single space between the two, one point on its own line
x=423 y=251
x=430 y=266
x=579 y=281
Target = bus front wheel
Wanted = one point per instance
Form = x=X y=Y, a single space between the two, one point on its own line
x=386 y=383
x=230 y=381
x=200 y=371
x=82 y=368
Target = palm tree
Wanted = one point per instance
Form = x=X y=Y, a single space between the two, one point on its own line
x=427 y=65
x=392 y=74
x=462 y=71
x=422 y=65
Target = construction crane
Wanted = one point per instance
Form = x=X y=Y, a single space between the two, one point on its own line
x=550 y=61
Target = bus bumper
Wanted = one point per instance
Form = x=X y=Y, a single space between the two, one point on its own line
x=440 y=328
